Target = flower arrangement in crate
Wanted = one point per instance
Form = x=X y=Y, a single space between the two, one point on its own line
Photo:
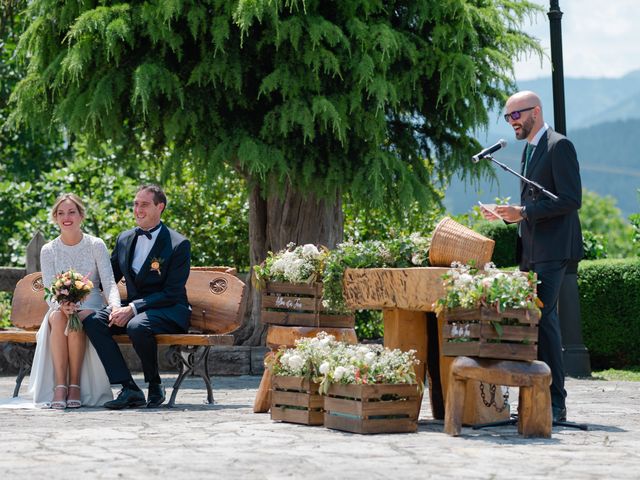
x=296 y=379
x=292 y=289
x=489 y=313
x=370 y=389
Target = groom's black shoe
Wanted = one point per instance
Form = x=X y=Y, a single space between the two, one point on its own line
x=156 y=395
x=127 y=398
x=559 y=414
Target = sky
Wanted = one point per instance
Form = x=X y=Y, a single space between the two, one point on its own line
x=600 y=38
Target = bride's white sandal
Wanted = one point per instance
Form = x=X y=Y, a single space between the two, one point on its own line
x=74 y=403
x=59 y=404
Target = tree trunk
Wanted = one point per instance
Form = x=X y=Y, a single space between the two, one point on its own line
x=273 y=223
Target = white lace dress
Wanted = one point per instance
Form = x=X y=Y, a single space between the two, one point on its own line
x=89 y=257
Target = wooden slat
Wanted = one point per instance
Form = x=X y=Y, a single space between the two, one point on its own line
x=383 y=425
x=307 y=319
x=296 y=399
x=488 y=332
x=184 y=339
x=289 y=302
x=17 y=336
x=304 y=417
x=299 y=384
x=313 y=289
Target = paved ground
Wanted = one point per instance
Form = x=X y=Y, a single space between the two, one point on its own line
x=195 y=440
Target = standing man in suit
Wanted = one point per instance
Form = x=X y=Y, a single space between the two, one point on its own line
x=549 y=234
x=155 y=262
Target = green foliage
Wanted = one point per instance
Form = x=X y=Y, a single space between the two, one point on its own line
x=609 y=305
x=5 y=309
x=600 y=216
x=635 y=222
x=214 y=216
x=24 y=154
x=505 y=236
x=594 y=245
x=369 y=324
x=374 y=98
x=629 y=374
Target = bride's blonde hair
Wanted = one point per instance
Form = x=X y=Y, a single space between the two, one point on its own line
x=64 y=197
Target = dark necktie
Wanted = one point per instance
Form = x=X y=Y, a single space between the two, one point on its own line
x=527 y=156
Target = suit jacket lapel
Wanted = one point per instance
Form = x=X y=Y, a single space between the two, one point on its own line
x=538 y=153
x=160 y=250
x=125 y=255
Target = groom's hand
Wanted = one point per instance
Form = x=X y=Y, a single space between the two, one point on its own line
x=120 y=316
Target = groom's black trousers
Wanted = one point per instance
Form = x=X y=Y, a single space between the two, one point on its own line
x=141 y=330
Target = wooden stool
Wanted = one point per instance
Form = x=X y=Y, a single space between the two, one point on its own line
x=533 y=378
x=278 y=336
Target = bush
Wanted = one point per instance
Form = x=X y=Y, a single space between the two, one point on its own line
x=610 y=306
x=594 y=245
x=504 y=253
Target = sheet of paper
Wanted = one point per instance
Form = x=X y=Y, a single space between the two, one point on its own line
x=491 y=207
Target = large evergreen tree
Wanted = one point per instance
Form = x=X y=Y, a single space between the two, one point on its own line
x=306 y=99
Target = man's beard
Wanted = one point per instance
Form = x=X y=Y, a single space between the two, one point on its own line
x=525 y=128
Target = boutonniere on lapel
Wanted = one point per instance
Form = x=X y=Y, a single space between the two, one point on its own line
x=156 y=263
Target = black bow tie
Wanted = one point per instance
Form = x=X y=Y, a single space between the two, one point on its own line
x=146 y=233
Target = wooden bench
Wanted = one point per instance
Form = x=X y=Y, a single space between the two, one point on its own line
x=216 y=296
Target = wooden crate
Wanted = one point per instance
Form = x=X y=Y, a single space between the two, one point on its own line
x=473 y=333
x=379 y=408
x=296 y=400
x=299 y=304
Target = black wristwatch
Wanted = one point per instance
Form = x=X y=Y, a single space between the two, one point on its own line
x=523 y=212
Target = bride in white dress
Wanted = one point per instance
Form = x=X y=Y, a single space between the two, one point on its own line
x=66 y=370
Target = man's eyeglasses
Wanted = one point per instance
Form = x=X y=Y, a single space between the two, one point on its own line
x=516 y=114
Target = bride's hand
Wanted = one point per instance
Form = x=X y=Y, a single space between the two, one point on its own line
x=68 y=308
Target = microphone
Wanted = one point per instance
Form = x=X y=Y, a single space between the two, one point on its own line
x=489 y=150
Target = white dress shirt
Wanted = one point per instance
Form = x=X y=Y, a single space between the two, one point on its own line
x=143 y=247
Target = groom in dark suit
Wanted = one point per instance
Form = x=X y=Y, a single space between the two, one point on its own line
x=549 y=234
x=154 y=261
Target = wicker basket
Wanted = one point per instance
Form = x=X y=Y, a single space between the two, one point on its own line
x=452 y=242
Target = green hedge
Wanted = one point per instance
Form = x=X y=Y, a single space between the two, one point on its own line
x=504 y=253
x=610 y=310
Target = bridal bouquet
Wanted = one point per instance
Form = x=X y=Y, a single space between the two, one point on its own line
x=70 y=287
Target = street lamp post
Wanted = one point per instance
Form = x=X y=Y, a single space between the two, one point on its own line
x=576 y=355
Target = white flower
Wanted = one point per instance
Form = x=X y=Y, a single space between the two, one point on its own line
x=465 y=279
x=324 y=368
x=338 y=373
x=296 y=362
x=310 y=250
x=285 y=358
x=369 y=357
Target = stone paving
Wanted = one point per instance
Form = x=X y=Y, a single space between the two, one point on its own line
x=224 y=440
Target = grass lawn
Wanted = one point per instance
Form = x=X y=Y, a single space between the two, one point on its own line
x=630 y=374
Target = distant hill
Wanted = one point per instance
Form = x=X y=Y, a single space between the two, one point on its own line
x=609 y=158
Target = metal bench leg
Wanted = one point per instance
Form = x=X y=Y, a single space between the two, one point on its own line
x=20 y=355
x=189 y=360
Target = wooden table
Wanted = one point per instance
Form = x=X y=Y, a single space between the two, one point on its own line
x=406 y=297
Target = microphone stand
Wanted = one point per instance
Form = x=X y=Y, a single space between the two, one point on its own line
x=535 y=187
